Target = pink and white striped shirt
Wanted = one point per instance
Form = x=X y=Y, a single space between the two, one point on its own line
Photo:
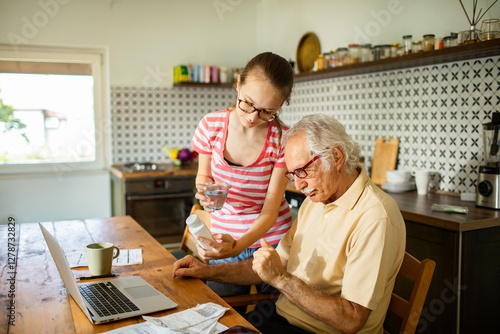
x=248 y=183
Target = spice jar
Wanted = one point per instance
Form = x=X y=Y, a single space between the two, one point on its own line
x=319 y=62
x=342 y=56
x=450 y=41
x=416 y=46
x=354 y=54
x=428 y=42
x=366 y=53
x=438 y=43
x=407 y=40
x=394 y=50
x=385 y=51
x=333 y=59
x=377 y=50
x=326 y=60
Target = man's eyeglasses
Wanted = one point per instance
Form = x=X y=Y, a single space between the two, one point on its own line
x=300 y=172
x=248 y=108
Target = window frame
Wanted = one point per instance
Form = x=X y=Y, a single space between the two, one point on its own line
x=98 y=59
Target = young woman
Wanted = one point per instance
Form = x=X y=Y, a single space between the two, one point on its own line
x=241 y=146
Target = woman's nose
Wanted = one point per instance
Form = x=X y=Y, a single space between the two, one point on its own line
x=254 y=116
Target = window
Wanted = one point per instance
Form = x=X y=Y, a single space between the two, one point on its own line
x=53 y=116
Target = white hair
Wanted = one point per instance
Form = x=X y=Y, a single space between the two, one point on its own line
x=323 y=134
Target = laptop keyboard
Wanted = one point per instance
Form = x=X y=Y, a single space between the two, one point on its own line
x=106 y=299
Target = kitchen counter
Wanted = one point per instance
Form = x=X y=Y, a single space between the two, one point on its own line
x=165 y=170
x=417 y=208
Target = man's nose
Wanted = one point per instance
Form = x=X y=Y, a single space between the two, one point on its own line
x=299 y=183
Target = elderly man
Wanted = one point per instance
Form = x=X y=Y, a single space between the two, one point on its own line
x=336 y=266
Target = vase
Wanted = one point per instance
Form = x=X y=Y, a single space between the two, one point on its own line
x=472 y=35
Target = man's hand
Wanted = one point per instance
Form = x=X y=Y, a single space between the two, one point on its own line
x=222 y=247
x=267 y=264
x=189 y=266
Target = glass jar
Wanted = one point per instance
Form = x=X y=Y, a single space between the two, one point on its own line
x=354 y=54
x=333 y=59
x=449 y=41
x=326 y=60
x=407 y=40
x=342 y=56
x=428 y=42
x=366 y=53
x=438 y=43
x=319 y=62
x=416 y=47
x=394 y=50
x=385 y=51
x=377 y=50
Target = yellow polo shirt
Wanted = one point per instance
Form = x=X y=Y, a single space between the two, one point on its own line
x=351 y=248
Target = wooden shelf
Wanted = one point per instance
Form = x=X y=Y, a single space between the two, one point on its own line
x=458 y=53
x=202 y=84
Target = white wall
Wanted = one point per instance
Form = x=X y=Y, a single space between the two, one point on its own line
x=281 y=23
x=145 y=38
x=55 y=197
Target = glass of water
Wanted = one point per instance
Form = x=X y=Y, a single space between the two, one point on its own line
x=217 y=192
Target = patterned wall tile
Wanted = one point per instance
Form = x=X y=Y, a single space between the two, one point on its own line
x=436 y=112
x=145 y=119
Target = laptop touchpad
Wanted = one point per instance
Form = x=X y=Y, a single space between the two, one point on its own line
x=142 y=291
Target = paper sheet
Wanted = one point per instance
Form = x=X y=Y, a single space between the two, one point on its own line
x=142 y=328
x=202 y=319
x=126 y=257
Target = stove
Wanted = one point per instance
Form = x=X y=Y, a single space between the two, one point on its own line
x=138 y=167
x=158 y=201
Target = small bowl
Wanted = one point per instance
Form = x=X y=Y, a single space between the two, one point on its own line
x=398 y=176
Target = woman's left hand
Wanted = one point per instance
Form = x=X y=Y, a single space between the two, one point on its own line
x=222 y=247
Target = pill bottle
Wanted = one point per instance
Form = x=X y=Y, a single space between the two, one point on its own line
x=198 y=229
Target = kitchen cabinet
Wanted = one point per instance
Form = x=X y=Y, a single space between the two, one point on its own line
x=464 y=295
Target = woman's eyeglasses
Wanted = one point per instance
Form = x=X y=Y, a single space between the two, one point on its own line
x=248 y=108
x=300 y=172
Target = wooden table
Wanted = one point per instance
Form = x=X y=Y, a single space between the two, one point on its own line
x=42 y=303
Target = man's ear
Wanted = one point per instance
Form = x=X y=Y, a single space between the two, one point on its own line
x=338 y=157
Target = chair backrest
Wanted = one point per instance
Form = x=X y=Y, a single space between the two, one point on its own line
x=420 y=273
x=188 y=242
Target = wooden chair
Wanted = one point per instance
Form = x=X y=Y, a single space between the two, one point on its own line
x=188 y=246
x=420 y=273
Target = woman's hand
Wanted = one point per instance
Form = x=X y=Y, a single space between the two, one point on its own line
x=204 y=200
x=223 y=246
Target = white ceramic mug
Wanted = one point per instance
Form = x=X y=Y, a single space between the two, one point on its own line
x=100 y=257
x=422 y=179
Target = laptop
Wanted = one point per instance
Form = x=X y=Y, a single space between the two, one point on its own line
x=134 y=296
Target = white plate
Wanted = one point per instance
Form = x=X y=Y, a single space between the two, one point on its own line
x=398 y=187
